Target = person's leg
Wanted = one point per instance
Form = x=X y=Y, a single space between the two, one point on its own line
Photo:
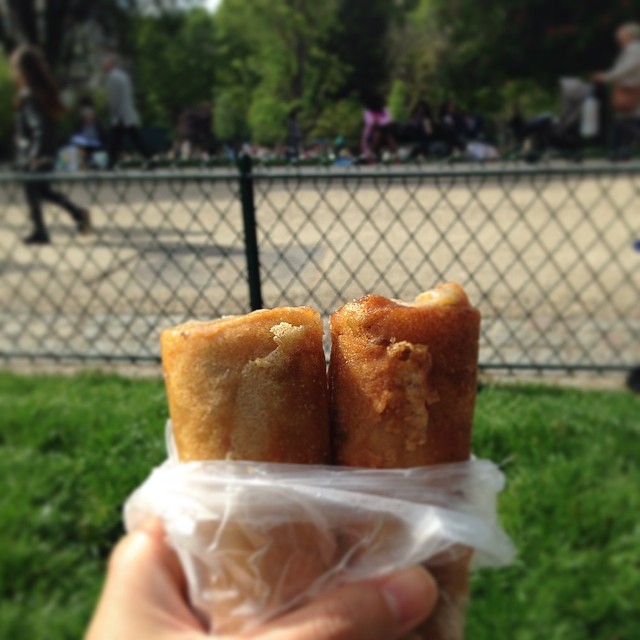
x=633 y=134
x=388 y=135
x=391 y=143
x=39 y=235
x=425 y=145
x=538 y=131
x=448 y=135
x=79 y=215
x=626 y=136
x=374 y=142
x=138 y=142
x=115 y=144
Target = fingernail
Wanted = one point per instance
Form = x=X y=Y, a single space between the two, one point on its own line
x=410 y=594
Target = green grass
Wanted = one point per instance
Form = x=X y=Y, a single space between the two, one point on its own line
x=72 y=449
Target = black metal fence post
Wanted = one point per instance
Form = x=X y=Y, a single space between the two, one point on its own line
x=250 y=235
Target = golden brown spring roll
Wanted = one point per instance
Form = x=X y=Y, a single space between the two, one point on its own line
x=249 y=387
x=253 y=387
x=402 y=382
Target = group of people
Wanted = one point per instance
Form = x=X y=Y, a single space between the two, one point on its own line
x=586 y=106
x=583 y=107
x=90 y=136
x=38 y=105
x=452 y=130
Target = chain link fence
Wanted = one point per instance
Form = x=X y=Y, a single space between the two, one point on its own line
x=547 y=254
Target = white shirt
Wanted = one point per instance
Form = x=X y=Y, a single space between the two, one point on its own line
x=626 y=69
x=120 y=98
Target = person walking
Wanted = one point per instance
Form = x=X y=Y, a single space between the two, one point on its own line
x=37 y=106
x=124 y=117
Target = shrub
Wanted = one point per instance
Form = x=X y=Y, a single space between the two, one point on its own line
x=342 y=118
x=6 y=108
x=230 y=115
x=268 y=120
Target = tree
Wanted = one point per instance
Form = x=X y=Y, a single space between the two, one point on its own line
x=360 y=39
x=274 y=52
x=56 y=25
x=53 y=25
x=175 y=63
x=6 y=107
x=490 y=44
x=418 y=48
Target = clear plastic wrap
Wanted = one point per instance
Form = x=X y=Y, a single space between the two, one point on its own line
x=256 y=539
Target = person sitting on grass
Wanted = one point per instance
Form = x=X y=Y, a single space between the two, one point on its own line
x=420 y=129
x=379 y=129
x=451 y=128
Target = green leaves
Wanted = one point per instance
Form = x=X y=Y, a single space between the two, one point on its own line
x=275 y=55
x=175 y=63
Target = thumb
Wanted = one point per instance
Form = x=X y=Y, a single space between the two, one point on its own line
x=144 y=595
x=380 y=609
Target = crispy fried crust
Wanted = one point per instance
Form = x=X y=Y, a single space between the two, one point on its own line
x=253 y=387
x=402 y=382
x=249 y=387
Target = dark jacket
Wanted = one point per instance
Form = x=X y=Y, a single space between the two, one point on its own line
x=34 y=134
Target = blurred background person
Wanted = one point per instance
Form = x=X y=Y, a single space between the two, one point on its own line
x=294 y=136
x=89 y=136
x=420 y=129
x=451 y=127
x=625 y=99
x=379 y=129
x=37 y=106
x=124 y=116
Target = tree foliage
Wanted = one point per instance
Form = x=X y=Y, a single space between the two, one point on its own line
x=493 y=43
x=274 y=51
x=175 y=63
x=6 y=104
x=360 y=39
x=54 y=25
x=257 y=60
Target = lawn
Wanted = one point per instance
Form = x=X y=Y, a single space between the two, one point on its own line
x=72 y=448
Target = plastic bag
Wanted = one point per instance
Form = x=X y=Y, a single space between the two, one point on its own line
x=256 y=539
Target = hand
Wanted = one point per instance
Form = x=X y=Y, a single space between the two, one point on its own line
x=599 y=77
x=144 y=597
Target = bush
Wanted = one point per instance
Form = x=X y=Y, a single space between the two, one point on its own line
x=7 y=94
x=230 y=115
x=399 y=101
x=268 y=120
x=342 y=118
x=530 y=96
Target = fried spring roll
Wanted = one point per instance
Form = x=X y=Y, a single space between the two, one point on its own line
x=253 y=387
x=249 y=387
x=402 y=382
